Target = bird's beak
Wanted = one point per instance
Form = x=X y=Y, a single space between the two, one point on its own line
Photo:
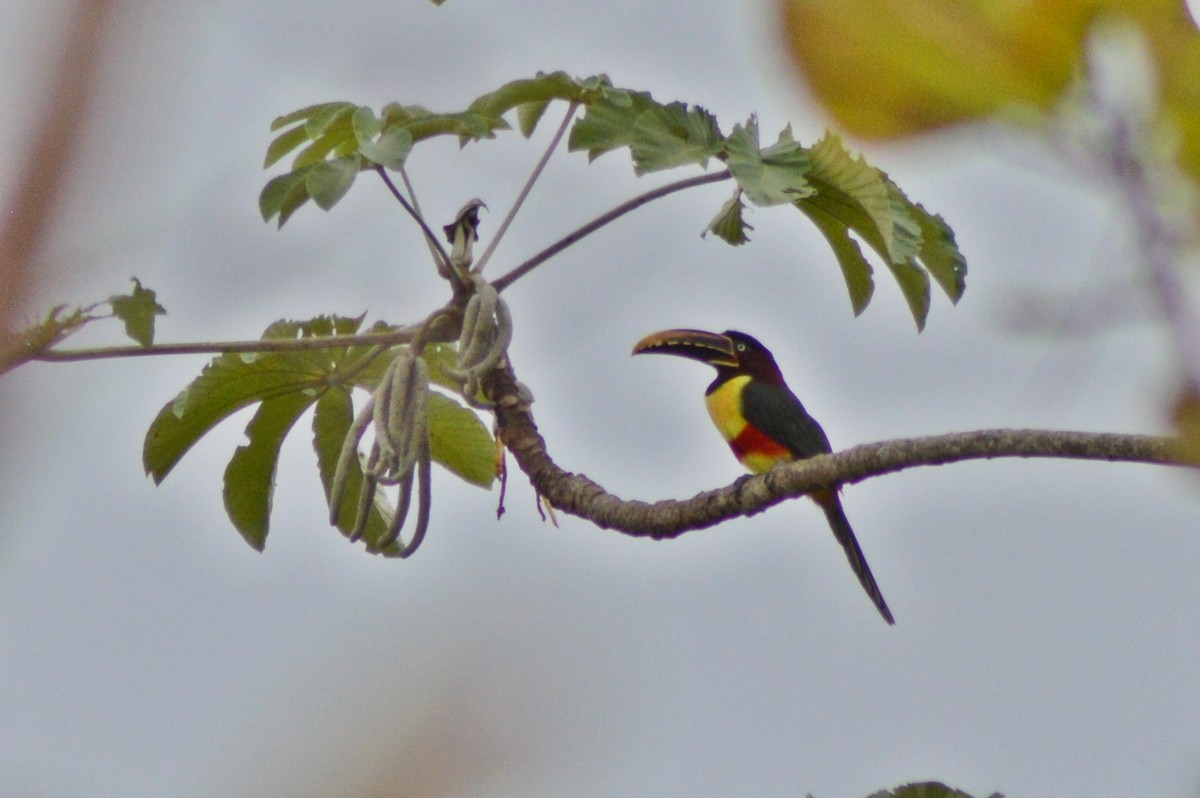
x=711 y=348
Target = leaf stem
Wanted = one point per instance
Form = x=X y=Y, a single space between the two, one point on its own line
x=525 y=189
x=433 y=249
x=517 y=273
x=430 y=237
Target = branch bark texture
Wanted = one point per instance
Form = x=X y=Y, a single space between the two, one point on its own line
x=749 y=495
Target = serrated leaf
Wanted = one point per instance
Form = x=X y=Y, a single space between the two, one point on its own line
x=331 y=424
x=666 y=136
x=728 y=224
x=914 y=284
x=852 y=196
x=137 y=310
x=856 y=270
x=840 y=177
x=906 y=233
x=608 y=123
x=329 y=181
x=234 y=381
x=940 y=253
x=773 y=176
x=250 y=475
x=391 y=150
x=460 y=442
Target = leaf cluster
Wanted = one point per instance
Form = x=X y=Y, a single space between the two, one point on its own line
x=284 y=385
x=847 y=199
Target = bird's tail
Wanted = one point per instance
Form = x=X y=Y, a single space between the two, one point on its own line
x=840 y=525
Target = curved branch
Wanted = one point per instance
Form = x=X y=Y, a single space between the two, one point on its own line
x=749 y=495
x=505 y=280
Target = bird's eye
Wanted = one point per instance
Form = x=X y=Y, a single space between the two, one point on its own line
x=741 y=347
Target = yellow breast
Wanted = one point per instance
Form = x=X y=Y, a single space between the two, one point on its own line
x=750 y=445
x=725 y=407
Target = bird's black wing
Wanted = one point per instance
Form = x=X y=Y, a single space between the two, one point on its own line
x=777 y=412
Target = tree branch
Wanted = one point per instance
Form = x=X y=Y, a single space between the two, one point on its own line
x=441 y=326
x=749 y=495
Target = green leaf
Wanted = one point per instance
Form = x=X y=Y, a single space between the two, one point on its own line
x=856 y=271
x=283 y=195
x=250 y=475
x=365 y=124
x=728 y=224
x=852 y=196
x=666 y=136
x=304 y=114
x=422 y=123
x=529 y=114
x=284 y=143
x=608 y=123
x=234 y=381
x=390 y=150
x=925 y=789
x=773 y=176
x=940 y=253
x=137 y=310
x=914 y=284
x=860 y=189
x=339 y=130
x=331 y=424
x=319 y=123
x=457 y=438
x=336 y=140
x=658 y=136
x=440 y=358
x=460 y=442
x=329 y=181
x=540 y=90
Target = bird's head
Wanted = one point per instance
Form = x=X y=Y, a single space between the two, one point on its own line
x=730 y=352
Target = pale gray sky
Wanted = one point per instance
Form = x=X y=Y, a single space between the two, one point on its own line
x=1046 y=639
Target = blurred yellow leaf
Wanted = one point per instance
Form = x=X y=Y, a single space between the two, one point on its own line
x=892 y=67
x=1175 y=41
x=1187 y=425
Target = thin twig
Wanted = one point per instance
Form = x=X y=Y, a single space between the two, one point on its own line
x=430 y=237
x=517 y=273
x=1160 y=245
x=525 y=189
x=433 y=249
x=223 y=348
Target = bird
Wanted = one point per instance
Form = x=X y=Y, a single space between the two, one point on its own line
x=762 y=421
